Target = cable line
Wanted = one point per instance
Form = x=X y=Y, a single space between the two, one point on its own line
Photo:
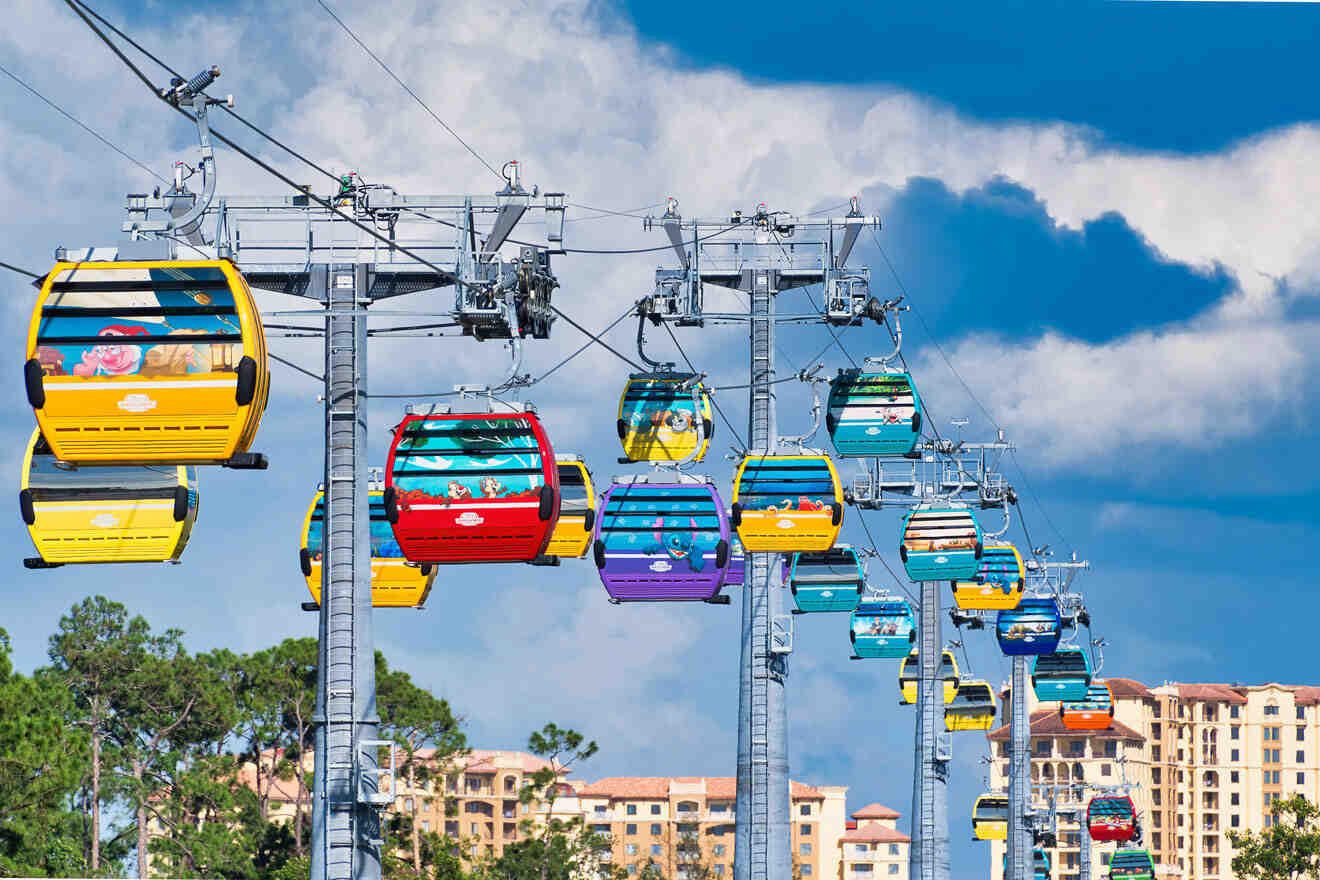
x=595 y=337
x=404 y=86
x=126 y=38
x=12 y=268
x=78 y=122
x=294 y=366
x=325 y=203
x=715 y=403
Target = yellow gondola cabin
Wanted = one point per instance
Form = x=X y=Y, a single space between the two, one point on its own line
x=1000 y=578
x=147 y=362
x=395 y=582
x=104 y=514
x=665 y=416
x=787 y=503
x=577 y=510
x=909 y=672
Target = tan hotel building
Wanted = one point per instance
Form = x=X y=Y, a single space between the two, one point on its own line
x=1206 y=759
x=678 y=823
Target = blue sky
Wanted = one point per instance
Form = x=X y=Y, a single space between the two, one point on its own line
x=1103 y=215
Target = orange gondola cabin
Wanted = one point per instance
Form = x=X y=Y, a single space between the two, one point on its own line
x=472 y=487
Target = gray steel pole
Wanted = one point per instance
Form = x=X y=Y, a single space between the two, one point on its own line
x=346 y=834
x=928 y=859
x=762 y=849
x=1084 y=873
x=1019 y=777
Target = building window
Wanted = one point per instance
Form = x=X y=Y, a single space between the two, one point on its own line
x=1235 y=820
x=861 y=869
x=1157 y=818
x=1272 y=709
x=408 y=804
x=1233 y=777
x=1106 y=770
x=1233 y=799
x=1235 y=732
x=893 y=849
x=1043 y=747
x=1111 y=748
x=1157 y=840
x=1155 y=775
x=1301 y=757
x=655 y=809
x=1301 y=779
x=655 y=830
x=632 y=809
x=805 y=871
x=719 y=870
x=806 y=831
x=804 y=810
x=893 y=869
x=718 y=849
x=655 y=849
x=1301 y=733
x=1233 y=711
x=1157 y=715
x=630 y=829
x=1233 y=755
x=632 y=870
x=1273 y=733
x=804 y=849
x=426 y=826
x=630 y=849
x=1076 y=747
x=1301 y=713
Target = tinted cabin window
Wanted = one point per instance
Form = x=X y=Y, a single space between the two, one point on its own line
x=572 y=491
x=51 y=483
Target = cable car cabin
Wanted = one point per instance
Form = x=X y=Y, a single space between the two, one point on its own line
x=1032 y=628
x=1063 y=675
x=885 y=629
x=941 y=543
x=659 y=416
x=577 y=510
x=998 y=584
x=1111 y=817
x=787 y=503
x=473 y=487
x=662 y=541
x=150 y=362
x=395 y=582
x=127 y=513
x=832 y=580
x=973 y=707
x=873 y=413
x=1134 y=864
x=910 y=672
x=1095 y=712
x=990 y=817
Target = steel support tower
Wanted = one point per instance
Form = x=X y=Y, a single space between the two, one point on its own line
x=761 y=254
x=1019 y=777
x=928 y=858
x=763 y=845
x=306 y=246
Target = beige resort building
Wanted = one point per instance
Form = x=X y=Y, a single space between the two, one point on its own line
x=1206 y=759
x=676 y=822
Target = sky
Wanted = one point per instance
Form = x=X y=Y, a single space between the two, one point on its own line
x=1101 y=213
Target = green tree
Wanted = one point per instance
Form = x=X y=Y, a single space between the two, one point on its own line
x=211 y=824
x=97 y=647
x=556 y=849
x=1288 y=850
x=41 y=761
x=415 y=719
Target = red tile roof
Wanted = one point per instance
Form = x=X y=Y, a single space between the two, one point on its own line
x=1048 y=723
x=657 y=787
x=875 y=834
x=1306 y=695
x=1218 y=693
x=875 y=811
x=1127 y=687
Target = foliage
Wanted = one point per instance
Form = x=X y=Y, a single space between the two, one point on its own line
x=1287 y=850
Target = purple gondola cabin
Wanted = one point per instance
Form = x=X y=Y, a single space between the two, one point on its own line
x=662 y=541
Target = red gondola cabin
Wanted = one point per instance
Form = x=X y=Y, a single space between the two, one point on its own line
x=471 y=487
x=1111 y=818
